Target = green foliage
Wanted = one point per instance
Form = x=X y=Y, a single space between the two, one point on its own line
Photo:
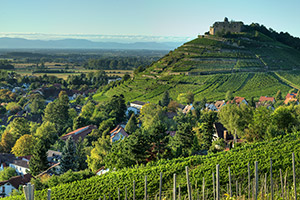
x=229 y=96
x=7 y=173
x=47 y=132
x=38 y=161
x=131 y=125
x=69 y=159
x=280 y=149
x=24 y=146
x=57 y=112
x=101 y=149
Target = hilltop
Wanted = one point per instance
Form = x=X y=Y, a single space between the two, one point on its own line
x=255 y=61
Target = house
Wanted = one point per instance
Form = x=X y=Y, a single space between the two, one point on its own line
x=221 y=132
x=238 y=101
x=21 y=166
x=219 y=104
x=131 y=109
x=210 y=106
x=79 y=133
x=188 y=108
x=53 y=156
x=101 y=171
x=6 y=159
x=13 y=184
x=137 y=104
x=118 y=134
x=266 y=99
x=113 y=80
x=290 y=97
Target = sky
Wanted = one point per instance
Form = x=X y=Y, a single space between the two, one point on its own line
x=138 y=20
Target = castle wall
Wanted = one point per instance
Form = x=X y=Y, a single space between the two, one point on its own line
x=234 y=27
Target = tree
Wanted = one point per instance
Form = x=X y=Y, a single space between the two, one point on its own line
x=47 y=132
x=190 y=98
x=278 y=96
x=24 y=146
x=57 y=112
x=38 y=161
x=173 y=106
x=116 y=107
x=158 y=138
x=147 y=114
x=137 y=146
x=7 y=173
x=81 y=154
x=235 y=118
x=282 y=117
x=131 y=125
x=101 y=149
x=19 y=126
x=69 y=159
x=165 y=99
x=37 y=105
x=259 y=125
x=7 y=141
x=205 y=128
x=183 y=140
x=229 y=96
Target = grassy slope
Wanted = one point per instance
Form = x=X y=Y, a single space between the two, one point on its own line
x=280 y=149
x=250 y=65
x=213 y=87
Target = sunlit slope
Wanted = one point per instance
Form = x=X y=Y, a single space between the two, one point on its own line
x=250 y=65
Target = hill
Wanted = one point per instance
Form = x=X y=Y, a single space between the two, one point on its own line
x=279 y=149
x=20 y=43
x=249 y=63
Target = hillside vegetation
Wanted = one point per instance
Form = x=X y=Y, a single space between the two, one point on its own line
x=279 y=149
x=250 y=64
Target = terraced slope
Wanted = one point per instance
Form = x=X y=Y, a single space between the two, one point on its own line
x=249 y=64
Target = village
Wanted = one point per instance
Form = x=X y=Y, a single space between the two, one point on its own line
x=117 y=133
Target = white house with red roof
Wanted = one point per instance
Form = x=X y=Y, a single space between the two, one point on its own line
x=13 y=184
x=118 y=134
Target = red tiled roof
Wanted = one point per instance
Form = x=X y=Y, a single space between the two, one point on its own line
x=236 y=100
x=81 y=132
x=16 y=181
x=265 y=98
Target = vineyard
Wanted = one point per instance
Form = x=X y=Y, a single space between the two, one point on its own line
x=280 y=149
x=250 y=65
x=212 y=87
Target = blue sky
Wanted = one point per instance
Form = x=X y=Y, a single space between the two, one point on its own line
x=138 y=20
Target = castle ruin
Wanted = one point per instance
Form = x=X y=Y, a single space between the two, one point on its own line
x=226 y=26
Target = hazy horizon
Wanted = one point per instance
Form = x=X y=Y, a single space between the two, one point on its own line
x=138 y=20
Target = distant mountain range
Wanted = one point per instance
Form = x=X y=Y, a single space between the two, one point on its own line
x=15 y=43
